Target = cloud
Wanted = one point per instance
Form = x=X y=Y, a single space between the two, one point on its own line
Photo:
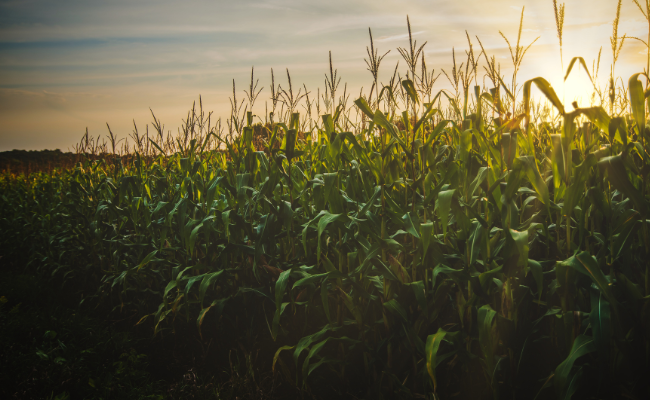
x=68 y=64
x=398 y=37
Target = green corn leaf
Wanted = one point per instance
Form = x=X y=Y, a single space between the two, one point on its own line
x=443 y=206
x=485 y=278
x=330 y=180
x=428 y=113
x=411 y=224
x=199 y=320
x=538 y=274
x=364 y=107
x=582 y=345
x=191 y=281
x=465 y=146
x=548 y=91
x=410 y=90
x=317 y=277
x=557 y=162
x=324 y=221
x=576 y=190
x=437 y=131
x=277 y=355
x=406 y=121
x=427 y=233
x=521 y=241
x=195 y=232
x=385 y=271
x=360 y=152
x=208 y=279
x=443 y=269
x=211 y=192
x=280 y=288
x=149 y=258
x=396 y=309
x=349 y=304
x=597 y=115
x=601 y=326
x=306 y=341
x=295 y=121
x=274 y=135
x=312 y=352
x=475 y=242
x=157 y=147
x=572 y=63
x=617 y=130
x=637 y=101
x=171 y=285
x=488 y=337
x=618 y=179
x=478 y=181
x=586 y=264
x=219 y=304
x=306 y=228
x=431 y=351
x=247 y=138
x=381 y=120
x=328 y=124
x=574 y=384
x=370 y=202
x=623 y=241
x=420 y=294
x=509 y=147
x=398 y=270
x=527 y=166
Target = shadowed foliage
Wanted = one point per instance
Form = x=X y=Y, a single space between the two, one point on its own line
x=390 y=247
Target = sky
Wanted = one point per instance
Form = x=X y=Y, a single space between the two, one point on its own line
x=68 y=65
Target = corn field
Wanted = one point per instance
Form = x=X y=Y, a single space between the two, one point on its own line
x=473 y=243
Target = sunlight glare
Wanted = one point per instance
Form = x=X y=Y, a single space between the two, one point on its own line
x=578 y=88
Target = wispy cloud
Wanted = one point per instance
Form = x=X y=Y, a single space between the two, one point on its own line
x=398 y=37
x=68 y=64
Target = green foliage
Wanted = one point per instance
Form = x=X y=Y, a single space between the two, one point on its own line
x=388 y=255
x=53 y=351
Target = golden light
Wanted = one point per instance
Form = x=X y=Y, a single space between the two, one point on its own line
x=578 y=87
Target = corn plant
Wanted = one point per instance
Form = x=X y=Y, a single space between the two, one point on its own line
x=421 y=253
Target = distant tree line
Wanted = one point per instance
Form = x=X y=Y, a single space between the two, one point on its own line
x=24 y=161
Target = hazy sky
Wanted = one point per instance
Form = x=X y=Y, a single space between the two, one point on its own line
x=66 y=65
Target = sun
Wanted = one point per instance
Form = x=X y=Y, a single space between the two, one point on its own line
x=579 y=88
